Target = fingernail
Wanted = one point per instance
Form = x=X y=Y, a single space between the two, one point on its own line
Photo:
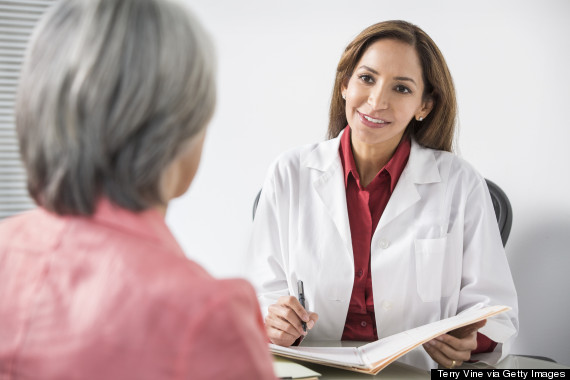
x=306 y=317
x=310 y=324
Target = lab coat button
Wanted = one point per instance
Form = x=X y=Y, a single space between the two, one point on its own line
x=384 y=243
x=386 y=305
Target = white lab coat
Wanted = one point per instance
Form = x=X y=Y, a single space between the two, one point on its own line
x=436 y=251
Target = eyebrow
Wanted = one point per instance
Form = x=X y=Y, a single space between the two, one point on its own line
x=408 y=79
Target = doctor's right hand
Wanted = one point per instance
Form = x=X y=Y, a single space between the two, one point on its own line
x=283 y=322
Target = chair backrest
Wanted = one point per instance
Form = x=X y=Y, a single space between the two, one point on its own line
x=255 y=202
x=503 y=210
x=501 y=204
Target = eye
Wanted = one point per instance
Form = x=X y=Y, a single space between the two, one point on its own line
x=366 y=78
x=403 y=89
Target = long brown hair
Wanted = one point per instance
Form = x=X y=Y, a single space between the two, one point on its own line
x=437 y=129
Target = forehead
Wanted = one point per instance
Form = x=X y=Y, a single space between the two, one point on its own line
x=392 y=57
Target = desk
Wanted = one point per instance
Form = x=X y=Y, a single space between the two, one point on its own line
x=403 y=371
x=393 y=371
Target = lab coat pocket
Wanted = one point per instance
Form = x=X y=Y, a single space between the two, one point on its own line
x=430 y=261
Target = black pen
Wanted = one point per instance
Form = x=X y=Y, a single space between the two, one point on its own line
x=302 y=299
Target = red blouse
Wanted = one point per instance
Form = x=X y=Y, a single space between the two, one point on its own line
x=365 y=207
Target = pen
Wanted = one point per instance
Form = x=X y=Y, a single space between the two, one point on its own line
x=302 y=299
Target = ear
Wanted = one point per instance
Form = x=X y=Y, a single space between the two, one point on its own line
x=426 y=107
x=344 y=85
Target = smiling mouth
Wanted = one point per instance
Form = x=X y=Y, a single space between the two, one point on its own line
x=377 y=121
x=373 y=120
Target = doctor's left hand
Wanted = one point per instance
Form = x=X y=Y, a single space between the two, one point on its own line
x=283 y=322
x=452 y=349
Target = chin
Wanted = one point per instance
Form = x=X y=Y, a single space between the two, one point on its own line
x=373 y=136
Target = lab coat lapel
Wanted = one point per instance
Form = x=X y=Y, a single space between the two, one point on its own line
x=328 y=183
x=421 y=169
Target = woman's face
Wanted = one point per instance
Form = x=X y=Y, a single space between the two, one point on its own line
x=384 y=93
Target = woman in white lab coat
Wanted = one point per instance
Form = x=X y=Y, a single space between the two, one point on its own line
x=433 y=249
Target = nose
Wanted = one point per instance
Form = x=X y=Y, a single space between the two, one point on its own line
x=378 y=98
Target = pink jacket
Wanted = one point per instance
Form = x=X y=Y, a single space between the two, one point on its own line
x=114 y=297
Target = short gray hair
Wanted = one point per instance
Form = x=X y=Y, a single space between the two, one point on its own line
x=109 y=92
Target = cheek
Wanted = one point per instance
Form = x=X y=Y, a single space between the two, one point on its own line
x=406 y=110
x=190 y=167
x=355 y=94
x=354 y=99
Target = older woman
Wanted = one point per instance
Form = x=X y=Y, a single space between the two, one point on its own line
x=112 y=111
x=387 y=229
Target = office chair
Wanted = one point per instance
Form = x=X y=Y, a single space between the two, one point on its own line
x=503 y=210
x=504 y=214
x=255 y=202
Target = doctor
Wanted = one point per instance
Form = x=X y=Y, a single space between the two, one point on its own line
x=385 y=226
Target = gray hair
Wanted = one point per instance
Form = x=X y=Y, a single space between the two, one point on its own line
x=109 y=92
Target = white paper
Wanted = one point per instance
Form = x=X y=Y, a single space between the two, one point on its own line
x=376 y=354
x=333 y=355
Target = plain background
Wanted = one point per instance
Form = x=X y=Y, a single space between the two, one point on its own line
x=510 y=61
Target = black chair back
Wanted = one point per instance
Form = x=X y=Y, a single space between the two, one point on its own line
x=503 y=210
x=255 y=202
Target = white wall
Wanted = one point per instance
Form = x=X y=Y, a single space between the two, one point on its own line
x=510 y=61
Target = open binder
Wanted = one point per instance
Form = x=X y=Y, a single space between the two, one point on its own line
x=371 y=358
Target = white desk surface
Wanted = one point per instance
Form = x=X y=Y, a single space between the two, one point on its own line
x=404 y=371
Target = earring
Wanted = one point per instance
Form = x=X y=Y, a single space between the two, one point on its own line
x=344 y=96
x=420 y=118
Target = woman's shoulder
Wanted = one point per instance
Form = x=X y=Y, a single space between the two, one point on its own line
x=313 y=155
x=452 y=165
x=33 y=228
x=177 y=275
x=295 y=156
